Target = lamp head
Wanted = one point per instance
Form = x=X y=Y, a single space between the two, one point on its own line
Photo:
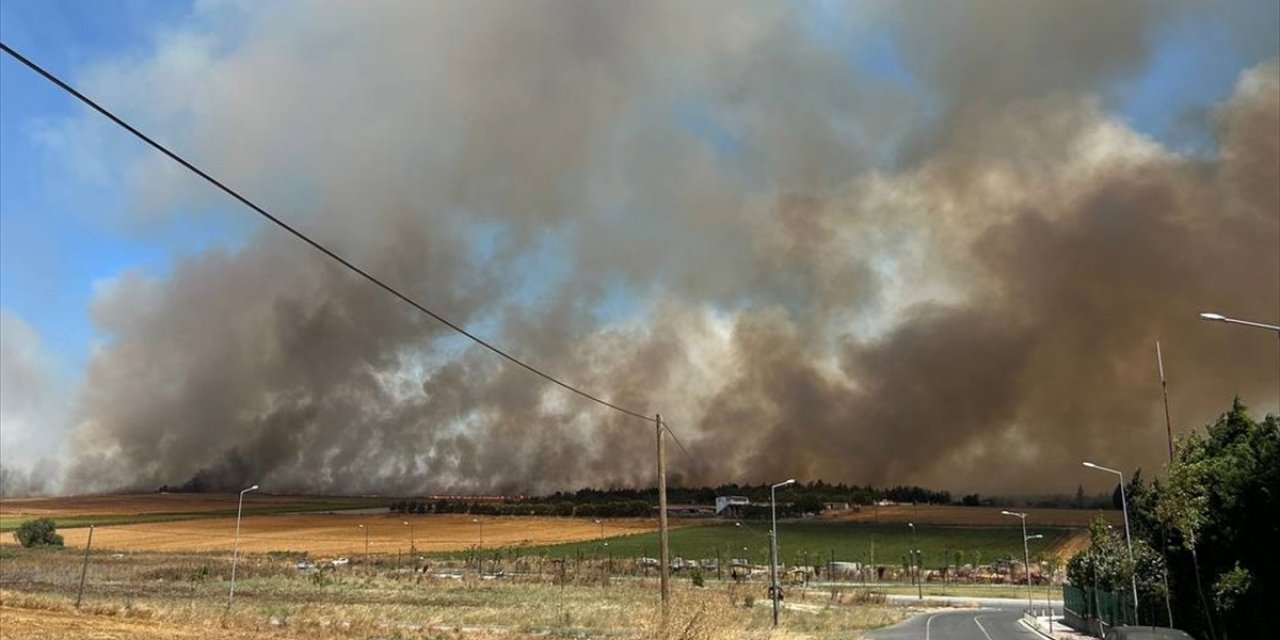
x=1212 y=316
x=1090 y=464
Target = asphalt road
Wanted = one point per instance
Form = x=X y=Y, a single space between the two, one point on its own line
x=970 y=624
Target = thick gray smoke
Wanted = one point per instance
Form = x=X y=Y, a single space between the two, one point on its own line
x=810 y=268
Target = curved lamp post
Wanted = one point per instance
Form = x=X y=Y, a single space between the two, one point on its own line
x=1124 y=507
x=235 y=547
x=773 y=544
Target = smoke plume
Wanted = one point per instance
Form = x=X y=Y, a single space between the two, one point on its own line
x=810 y=267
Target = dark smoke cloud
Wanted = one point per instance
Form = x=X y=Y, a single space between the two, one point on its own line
x=982 y=316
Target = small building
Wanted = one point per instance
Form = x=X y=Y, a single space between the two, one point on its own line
x=729 y=506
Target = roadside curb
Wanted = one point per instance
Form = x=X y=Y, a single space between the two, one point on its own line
x=1035 y=628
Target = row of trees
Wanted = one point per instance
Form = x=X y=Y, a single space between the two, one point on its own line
x=611 y=509
x=1209 y=531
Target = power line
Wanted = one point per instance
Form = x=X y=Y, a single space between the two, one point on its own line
x=314 y=244
x=666 y=427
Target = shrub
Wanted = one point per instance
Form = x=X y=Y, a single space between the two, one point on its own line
x=38 y=533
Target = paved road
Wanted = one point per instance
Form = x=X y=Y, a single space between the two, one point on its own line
x=971 y=624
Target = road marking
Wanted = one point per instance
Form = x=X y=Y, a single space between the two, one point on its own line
x=926 y=625
x=980 y=627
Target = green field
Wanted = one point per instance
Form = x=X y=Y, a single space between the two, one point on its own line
x=817 y=542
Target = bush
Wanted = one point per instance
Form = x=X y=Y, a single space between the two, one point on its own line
x=38 y=533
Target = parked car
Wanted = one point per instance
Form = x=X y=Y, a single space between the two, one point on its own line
x=340 y=562
x=1147 y=633
x=303 y=565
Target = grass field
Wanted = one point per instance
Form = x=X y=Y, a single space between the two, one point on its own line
x=154 y=595
x=820 y=540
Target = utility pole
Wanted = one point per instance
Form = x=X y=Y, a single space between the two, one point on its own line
x=85 y=567
x=664 y=555
x=1164 y=539
x=1164 y=388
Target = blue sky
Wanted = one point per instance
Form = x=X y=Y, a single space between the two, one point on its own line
x=62 y=232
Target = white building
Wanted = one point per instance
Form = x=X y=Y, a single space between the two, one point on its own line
x=726 y=505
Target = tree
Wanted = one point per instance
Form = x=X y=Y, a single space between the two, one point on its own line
x=38 y=533
x=1219 y=503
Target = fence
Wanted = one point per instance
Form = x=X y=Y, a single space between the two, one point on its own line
x=1112 y=609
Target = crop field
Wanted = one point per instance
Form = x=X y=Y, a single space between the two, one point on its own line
x=159 y=567
x=341 y=534
x=971 y=516
x=810 y=542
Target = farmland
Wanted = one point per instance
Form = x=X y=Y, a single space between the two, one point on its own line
x=816 y=542
x=161 y=595
x=169 y=577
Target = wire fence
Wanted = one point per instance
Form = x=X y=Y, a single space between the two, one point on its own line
x=1113 y=609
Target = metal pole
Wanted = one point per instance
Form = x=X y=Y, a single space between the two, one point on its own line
x=919 y=582
x=1124 y=506
x=85 y=567
x=366 y=544
x=1026 y=561
x=773 y=545
x=773 y=555
x=664 y=555
x=235 y=547
x=1133 y=574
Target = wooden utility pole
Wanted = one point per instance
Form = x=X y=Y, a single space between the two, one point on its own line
x=84 y=568
x=1168 y=429
x=664 y=555
x=1164 y=388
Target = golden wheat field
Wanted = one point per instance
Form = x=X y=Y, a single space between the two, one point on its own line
x=341 y=534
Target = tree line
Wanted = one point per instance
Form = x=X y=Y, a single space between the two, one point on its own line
x=1208 y=531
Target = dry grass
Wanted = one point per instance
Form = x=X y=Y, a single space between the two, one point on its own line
x=338 y=534
x=971 y=516
x=184 y=596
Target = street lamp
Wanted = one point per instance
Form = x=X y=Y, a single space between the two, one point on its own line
x=1124 y=507
x=601 y=523
x=412 y=549
x=1214 y=317
x=915 y=572
x=235 y=547
x=773 y=543
x=1217 y=317
x=1026 y=554
x=366 y=543
x=480 y=552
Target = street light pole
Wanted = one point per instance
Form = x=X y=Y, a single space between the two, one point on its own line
x=911 y=553
x=773 y=544
x=1124 y=507
x=1026 y=554
x=235 y=547
x=412 y=551
x=366 y=544
x=1217 y=317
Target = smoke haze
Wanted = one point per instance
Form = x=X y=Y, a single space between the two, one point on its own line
x=810 y=268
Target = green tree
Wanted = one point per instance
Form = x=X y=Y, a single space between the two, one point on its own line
x=1219 y=502
x=38 y=533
